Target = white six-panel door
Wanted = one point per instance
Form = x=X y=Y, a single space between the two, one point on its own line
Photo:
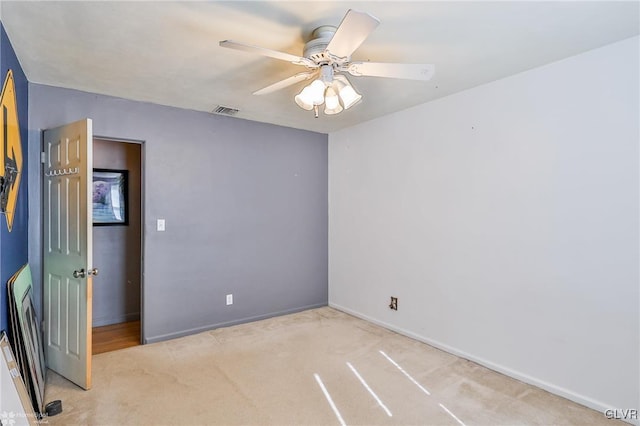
x=68 y=269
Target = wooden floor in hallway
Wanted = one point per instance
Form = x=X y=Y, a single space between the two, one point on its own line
x=116 y=336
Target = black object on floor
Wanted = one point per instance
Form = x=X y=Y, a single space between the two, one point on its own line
x=53 y=408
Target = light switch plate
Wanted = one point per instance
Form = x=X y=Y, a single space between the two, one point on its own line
x=160 y=224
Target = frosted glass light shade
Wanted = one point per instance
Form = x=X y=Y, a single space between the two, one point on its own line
x=331 y=102
x=349 y=96
x=303 y=99
x=317 y=92
x=311 y=95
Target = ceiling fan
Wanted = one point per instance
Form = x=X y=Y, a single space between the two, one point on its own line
x=327 y=56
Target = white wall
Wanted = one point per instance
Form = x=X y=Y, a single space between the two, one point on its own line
x=505 y=219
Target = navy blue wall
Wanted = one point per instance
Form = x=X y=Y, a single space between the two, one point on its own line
x=14 y=244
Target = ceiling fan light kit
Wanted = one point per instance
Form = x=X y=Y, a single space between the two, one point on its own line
x=336 y=93
x=327 y=55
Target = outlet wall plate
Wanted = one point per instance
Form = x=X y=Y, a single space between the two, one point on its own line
x=394 y=303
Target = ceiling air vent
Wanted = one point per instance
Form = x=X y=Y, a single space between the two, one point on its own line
x=225 y=110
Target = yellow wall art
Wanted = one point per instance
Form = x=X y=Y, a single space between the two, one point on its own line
x=10 y=150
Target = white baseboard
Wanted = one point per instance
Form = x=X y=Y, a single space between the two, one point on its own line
x=557 y=390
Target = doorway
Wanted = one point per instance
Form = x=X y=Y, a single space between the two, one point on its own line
x=117 y=249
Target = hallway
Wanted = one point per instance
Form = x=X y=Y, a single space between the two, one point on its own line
x=116 y=336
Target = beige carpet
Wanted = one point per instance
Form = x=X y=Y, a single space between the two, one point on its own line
x=263 y=373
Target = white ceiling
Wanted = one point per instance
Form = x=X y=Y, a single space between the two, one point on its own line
x=167 y=52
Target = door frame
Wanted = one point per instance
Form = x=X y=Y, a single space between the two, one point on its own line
x=142 y=144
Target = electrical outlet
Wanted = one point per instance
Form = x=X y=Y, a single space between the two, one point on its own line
x=394 y=303
x=229 y=299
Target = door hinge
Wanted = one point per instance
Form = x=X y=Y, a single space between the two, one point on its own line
x=42 y=157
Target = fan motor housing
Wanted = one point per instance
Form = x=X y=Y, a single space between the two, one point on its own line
x=315 y=49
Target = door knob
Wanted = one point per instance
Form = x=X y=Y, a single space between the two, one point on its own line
x=81 y=273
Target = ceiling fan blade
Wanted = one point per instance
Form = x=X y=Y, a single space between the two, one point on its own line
x=392 y=70
x=298 y=60
x=353 y=30
x=286 y=82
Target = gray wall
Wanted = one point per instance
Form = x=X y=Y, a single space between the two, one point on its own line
x=245 y=205
x=117 y=249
